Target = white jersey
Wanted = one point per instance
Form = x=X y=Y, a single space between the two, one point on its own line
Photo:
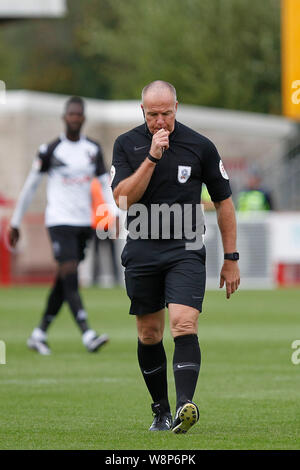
x=70 y=167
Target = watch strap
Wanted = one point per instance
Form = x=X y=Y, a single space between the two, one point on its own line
x=232 y=256
x=152 y=159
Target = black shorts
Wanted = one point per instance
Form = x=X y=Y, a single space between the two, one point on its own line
x=159 y=272
x=69 y=242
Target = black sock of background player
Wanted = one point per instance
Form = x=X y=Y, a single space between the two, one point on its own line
x=72 y=296
x=153 y=364
x=186 y=366
x=55 y=301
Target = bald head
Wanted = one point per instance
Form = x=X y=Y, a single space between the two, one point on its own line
x=158 y=87
x=159 y=105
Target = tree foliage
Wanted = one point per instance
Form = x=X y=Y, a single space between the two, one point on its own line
x=216 y=53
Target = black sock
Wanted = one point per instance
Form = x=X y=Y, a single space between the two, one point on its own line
x=55 y=301
x=186 y=366
x=153 y=363
x=72 y=296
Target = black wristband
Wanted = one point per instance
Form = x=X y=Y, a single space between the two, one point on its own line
x=232 y=256
x=152 y=159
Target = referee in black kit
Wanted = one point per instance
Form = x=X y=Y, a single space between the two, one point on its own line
x=159 y=168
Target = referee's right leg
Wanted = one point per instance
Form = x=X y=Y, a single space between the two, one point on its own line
x=153 y=364
x=145 y=288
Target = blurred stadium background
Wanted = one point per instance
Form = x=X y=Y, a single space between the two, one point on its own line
x=237 y=72
x=47 y=56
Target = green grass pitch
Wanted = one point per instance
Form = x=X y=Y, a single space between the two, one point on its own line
x=248 y=388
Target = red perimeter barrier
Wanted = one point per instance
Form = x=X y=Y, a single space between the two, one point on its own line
x=288 y=275
x=5 y=254
x=36 y=265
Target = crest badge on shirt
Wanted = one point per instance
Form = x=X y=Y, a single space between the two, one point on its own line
x=184 y=172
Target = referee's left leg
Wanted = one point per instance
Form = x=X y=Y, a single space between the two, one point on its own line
x=186 y=359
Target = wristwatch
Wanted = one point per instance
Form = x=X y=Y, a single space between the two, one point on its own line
x=232 y=256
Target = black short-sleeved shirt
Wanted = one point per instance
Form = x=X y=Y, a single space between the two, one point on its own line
x=190 y=160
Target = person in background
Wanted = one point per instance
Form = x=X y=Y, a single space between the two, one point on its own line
x=102 y=221
x=254 y=197
x=70 y=161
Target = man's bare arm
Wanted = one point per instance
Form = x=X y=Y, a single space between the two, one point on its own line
x=134 y=186
x=33 y=180
x=227 y=224
x=230 y=273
